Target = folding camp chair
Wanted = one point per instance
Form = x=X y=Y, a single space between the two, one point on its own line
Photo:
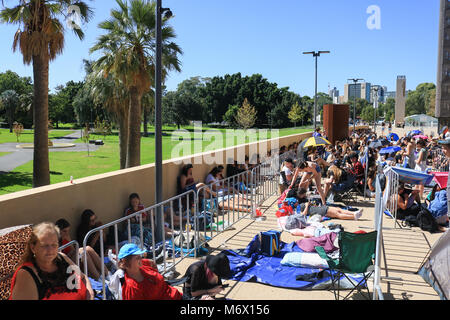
x=356 y=252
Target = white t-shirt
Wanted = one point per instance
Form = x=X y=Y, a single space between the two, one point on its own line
x=287 y=172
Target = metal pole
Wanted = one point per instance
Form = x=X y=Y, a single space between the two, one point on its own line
x=158 y=120
x=315 y=95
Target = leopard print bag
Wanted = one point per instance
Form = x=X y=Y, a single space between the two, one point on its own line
x=13 y=242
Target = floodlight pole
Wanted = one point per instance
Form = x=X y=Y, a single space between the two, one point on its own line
x=158 y=121
x=355 y=81
x=375 y=106
x=315 y=54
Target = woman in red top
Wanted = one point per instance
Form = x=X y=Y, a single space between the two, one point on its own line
x=142 y=280
x=45 y=274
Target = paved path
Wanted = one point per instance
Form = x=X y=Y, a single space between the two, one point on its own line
x=19 y=157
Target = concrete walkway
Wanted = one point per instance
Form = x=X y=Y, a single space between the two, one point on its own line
x=404 y=251
x=19 y=157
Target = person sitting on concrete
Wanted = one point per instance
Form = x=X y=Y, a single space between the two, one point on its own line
x=94 y=262
x=142 y=280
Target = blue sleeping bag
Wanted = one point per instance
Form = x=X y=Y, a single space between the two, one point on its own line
x=438 y=207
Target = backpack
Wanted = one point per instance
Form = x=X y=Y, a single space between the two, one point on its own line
x=426 y=221
x=410 y=221
x=270 y=242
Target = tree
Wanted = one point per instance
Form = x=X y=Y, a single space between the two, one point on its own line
x=367 y=114
x=246 y=115
x=128 y=49
x=9 y=101
x=40 y=39
x=418 y=101
x=295 y=114
x=230 y=115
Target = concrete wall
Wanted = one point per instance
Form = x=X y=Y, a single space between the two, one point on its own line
x=107 y=194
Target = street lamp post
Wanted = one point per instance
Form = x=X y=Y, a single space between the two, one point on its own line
x=375 y=106
x=315 y=54
x=158 y=117
x=355 y=81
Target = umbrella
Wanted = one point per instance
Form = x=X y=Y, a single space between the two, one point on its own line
x=414 y=133
x=378 y=143
x=420 y=136
x=314 y=142
x=393 y=135
x=411 y=176
x=390 y=150
x=444 y=130
x=441 y=178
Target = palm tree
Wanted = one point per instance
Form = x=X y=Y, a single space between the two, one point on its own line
x=40 y=39
x=9 y=100
x=128 y=49
x=112 y=95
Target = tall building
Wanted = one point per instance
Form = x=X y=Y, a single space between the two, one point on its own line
x=443 y=74
x=400 y=100
x=358 y=90
x=334 y=94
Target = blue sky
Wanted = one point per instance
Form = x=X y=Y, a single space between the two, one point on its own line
x=221 y=37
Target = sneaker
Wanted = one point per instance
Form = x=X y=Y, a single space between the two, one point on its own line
x=358 y=214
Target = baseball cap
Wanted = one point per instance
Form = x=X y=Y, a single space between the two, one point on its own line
x=130 y=249
x=446 y=141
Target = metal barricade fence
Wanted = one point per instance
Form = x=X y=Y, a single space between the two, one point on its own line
x=177 y=208
x=246 y=191
x=73 y=243
x=378 y=226
x=237 y=197
x=439 y=161
x=391 y=198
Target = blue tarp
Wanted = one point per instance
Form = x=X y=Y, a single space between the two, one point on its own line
x=268 y=270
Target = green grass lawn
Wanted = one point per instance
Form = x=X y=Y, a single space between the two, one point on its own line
x=63 y=165
x=4 y=153
x=28 y=135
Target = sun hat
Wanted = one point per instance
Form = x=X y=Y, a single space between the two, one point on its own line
x=219 y=264
x=130 y=249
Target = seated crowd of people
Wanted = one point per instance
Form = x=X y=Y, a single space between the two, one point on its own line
x=309 y=183
x=352 y=165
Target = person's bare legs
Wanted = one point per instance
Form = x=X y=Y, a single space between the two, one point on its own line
x=92 y=269
x=339 y=213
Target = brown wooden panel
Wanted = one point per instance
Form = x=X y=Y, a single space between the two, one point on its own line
x=335 y=121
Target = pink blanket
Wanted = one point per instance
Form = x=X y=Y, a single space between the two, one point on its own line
x=326 y=241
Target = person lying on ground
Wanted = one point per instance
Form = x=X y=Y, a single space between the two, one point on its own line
x=328 y=211
x=204 y=277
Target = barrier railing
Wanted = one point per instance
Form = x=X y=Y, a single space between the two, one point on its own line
x=237 y=197
x=187 y=225
x=391 y=195
x=378 y=226
x=439 y=161
x=137 y=230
